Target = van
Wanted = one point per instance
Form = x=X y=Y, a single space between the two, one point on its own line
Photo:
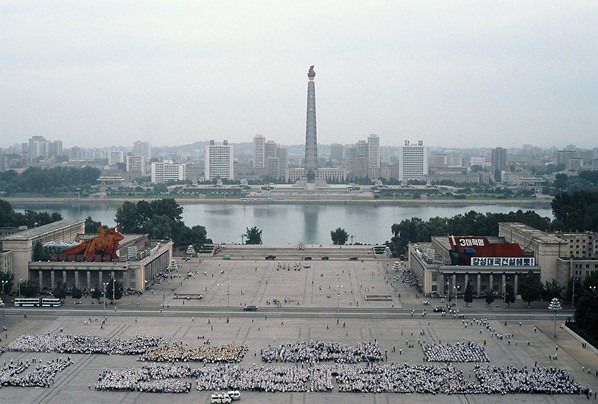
x=234 y=395
x=220 y=398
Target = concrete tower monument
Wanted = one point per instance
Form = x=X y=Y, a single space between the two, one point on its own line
x=311 y=137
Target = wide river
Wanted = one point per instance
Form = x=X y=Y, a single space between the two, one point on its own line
x=286 y=223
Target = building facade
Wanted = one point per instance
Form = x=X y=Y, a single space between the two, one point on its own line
x=165 y=171
x=219 y=161
x=413 y=161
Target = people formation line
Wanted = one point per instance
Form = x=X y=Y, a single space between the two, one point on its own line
x=321 y=351
x=178 y=351
x=461 y=351
x=358 y=368
x=83 y=344
x=362 y=378
x=42 y=375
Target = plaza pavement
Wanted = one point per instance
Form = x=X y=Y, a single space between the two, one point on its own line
x=311 y=312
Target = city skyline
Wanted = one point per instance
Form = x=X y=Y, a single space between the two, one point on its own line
x=500 y=74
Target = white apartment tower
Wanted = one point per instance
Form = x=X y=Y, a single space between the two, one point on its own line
x=219 y=161
x=165 y=171
x=413 y=161
x=259 y=151
x=374 y=151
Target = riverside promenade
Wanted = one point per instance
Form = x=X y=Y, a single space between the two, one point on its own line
x=341 y=300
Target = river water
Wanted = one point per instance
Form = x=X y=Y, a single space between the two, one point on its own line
x=286 y=223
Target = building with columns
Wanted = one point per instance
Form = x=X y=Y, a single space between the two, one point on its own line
x=140 y=259
x=491 y=263
x=447 y=264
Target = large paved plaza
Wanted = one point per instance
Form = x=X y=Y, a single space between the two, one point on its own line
x=336 y=300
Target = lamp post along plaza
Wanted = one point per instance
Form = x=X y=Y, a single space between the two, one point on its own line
x=555 y=305
x=3 y=297
x=104 y=285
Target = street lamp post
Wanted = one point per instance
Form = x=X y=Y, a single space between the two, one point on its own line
x=555 y=305
x=104 y=285
x=113 y=291
x=457 y=293
x=4 y=297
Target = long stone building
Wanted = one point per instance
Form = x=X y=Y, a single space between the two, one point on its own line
x=140 y=259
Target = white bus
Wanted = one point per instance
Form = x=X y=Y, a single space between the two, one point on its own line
x=37 y=302
x=51 y=302
x=27 y=301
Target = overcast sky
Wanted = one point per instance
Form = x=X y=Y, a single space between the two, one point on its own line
x=450 y=73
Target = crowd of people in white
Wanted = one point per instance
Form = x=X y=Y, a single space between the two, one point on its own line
x=83 y=344
x=178 y=351
x=356 y=368
x=322 y=351
x=42 y=375
x=461 y=351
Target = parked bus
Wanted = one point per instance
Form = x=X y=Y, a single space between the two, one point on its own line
x=51 y=302
x=37 y=302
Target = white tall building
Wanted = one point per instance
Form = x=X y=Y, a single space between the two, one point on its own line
x=374 y=151
x=259 y=151
x=413 y=161
x=219 y=161
x=165 y=171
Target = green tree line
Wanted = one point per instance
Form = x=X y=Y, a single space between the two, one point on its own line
x=10 y=218
x=161 y=219
x=576 y=211
x=49 y=181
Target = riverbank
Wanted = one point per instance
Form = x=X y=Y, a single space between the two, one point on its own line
x=524 y=203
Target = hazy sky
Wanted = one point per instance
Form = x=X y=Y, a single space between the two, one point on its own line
x=450 y=73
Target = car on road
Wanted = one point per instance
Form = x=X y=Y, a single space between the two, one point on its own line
x=325 y=258
x=439 y=309
x=270 y=257
x=306 y=266
x=220 y=398
x=354 y=258
x=234 y=395
x=307 y=258
x=250 y=308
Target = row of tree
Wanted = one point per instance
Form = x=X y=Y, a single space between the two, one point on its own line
x=160 y=218
x=576 y=211
x=10 y=218
x=49 y=181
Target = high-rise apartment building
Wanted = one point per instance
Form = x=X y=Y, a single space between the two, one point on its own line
x=116 y=157
x=336 y=153
x=499 y=159
x=165 y=171
x=219 y=161
x=283 y=158
x=413 y=161
x=350 y=160
x=373 y=151
x=136 y=164
x=270 y=149
x=259 y=151
x=142 y=149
